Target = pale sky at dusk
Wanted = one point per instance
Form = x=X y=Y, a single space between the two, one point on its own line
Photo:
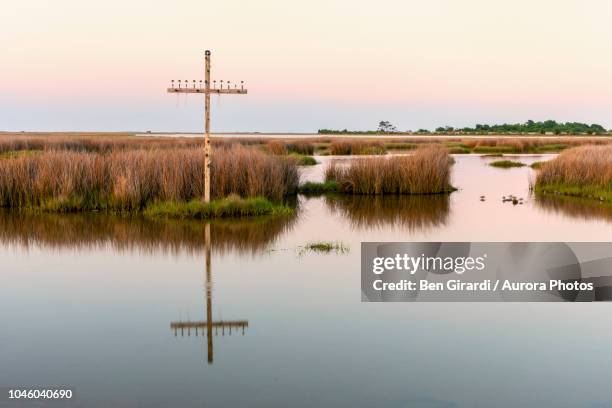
x=104 y=65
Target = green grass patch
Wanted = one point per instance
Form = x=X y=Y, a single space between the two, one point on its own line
x=458 y=150
x=325 y=247
x=506 y=164
x=537 y=165
x=232 y=206
x=401 y=146
x=590 y=191
x=556 y=147
x=493 y=155
x=312 y=187
x=305 y=160
x=373 y=150
x=493 y=149
x=18 y=153
x=454 y=144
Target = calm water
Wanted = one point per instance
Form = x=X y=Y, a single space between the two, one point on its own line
x=97 y=304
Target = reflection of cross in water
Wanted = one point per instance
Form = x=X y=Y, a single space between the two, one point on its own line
x=209 y=323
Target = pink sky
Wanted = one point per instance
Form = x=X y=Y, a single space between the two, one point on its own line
x=74 y=65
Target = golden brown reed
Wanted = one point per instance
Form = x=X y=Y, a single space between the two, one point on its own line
x=105 y=142
x=580 y=166
x=427 y=171
x=132 y=179
x=276 y=147
x=530 y=144
x=356 y=147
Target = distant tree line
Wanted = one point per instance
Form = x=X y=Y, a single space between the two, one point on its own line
x=529 y=127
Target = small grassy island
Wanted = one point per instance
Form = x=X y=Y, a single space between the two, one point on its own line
x=427 y=171
x=506 y=164
x=155 y=182
x=580 y=172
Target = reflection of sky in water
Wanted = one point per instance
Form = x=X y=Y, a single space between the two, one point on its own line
x=97 y=318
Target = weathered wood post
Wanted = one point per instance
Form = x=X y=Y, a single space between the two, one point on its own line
x=207 y=151
x=206 y=91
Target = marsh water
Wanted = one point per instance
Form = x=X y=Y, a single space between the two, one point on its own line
x=117 y=309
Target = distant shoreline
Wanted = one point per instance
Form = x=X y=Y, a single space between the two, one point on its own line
x=299 y=135
x=367 y=136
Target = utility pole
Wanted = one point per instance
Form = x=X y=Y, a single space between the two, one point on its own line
x=207 y=90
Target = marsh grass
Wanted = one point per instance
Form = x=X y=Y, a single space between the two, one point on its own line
x=427 y=171
x=506 y=164
x=580 y=172
x=493 y=149
x=401 y=146
x=302 y=160
x=356 y=147
x=314 y=188
x=324 y=247
x=277 y=147
x=112 y=142
x=232 y=206
x=131 y=180
x=459 y=150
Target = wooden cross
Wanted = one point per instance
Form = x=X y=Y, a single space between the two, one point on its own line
x=184 y=87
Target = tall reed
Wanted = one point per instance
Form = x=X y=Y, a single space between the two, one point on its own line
x=107 y=142
x=582 y=171
x=132 y=179
x=356 y=147
x=427 y=171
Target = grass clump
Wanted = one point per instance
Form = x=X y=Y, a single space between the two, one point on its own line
x=277 y=147
x=356 y=147
x=17 y=153
x=536 y=165
x=232 y=206
x=459 y=150
x=325 y=247
x=580 y=172
x=576 y=190
x=554 y=147
x=494 y=149
x=312 y=188
x=427 y=171
x=131 y=180
x=401 y=146
x=506 y=164
x=304 y=160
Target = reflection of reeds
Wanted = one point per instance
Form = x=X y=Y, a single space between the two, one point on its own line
x=83 y=231
x=427 y=171
x=415 y=212
x=580 y=208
